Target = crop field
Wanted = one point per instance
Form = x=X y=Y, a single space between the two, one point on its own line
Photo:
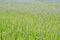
x=29 y=21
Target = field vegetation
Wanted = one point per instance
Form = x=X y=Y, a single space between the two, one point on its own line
x=29 y=21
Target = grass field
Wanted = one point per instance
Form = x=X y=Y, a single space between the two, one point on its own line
x=29 y=21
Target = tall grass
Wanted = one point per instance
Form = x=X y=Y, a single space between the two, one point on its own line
x=20 y=25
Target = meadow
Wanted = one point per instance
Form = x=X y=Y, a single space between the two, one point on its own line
x=29 y=21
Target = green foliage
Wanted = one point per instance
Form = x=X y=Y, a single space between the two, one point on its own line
x=26 y=25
